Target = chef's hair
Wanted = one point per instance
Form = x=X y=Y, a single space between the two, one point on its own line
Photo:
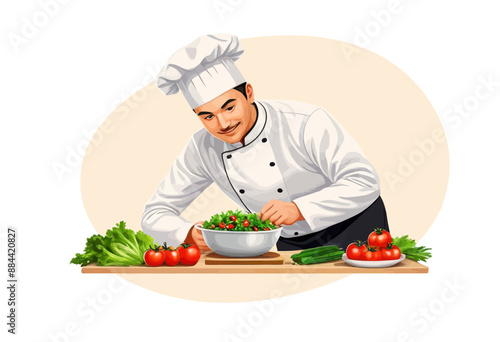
x=242 y=88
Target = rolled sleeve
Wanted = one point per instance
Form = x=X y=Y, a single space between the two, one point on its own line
x=186 y=180
x=354 y=183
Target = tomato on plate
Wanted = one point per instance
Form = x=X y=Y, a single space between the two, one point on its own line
x=189 y=254
x=246 y=223
x=233 y=218
x=154 y=257
x=391 y=252
x=372 y=254
x=355 y=250
x=379 y=238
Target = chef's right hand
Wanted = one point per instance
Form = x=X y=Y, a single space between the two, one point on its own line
x=196 y=237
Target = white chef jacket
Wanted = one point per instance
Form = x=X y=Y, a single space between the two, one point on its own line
x=294 y=152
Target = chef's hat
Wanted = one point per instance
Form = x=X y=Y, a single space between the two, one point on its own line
x=203 y=70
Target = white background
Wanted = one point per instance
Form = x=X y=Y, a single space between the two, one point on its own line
x=70 y=71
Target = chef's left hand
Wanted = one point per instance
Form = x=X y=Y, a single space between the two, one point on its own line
x=279 y=212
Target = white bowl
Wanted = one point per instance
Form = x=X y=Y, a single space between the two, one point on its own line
x=238 y=244
x=372 y=264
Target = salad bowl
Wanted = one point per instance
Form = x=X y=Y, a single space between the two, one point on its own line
x=240 y=244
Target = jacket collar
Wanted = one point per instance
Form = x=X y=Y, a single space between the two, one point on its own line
x=257 y=128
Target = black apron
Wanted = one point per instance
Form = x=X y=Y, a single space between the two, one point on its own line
x=341 y=234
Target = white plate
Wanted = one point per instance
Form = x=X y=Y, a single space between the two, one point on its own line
x=372 y=264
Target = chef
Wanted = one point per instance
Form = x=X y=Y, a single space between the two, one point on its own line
x=291 y=162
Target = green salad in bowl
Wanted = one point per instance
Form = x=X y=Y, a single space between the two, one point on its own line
x=237 y=235
x=238 y=221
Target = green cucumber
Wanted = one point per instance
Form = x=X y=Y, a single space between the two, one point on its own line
x=318 y=255
x=317 y=251
x=321 y=259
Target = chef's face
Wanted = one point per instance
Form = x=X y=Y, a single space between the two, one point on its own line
x=230 y=116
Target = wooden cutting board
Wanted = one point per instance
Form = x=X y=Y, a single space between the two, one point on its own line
x=270 y=258
x=338 y=266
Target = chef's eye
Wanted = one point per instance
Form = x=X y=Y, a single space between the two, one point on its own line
x=209 y=117
x=229 y=108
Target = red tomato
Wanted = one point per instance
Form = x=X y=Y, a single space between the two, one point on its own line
x=355 y=250
x=172 y=257
x=379 y=238
x=189 y=254
x=232 y=218
x=391 y=252
x=246 y=223
x=154 y=257
x=222 y=224
x=372 y=255
x=230 y=226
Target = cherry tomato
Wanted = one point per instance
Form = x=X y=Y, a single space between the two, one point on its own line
x=391 y=252
x=379 y=238
x=256 y=229
x=232 y=218
x=189 y=254
x=246 y=223
x=222 y=224
x=372 y=255
x=172 y=257
x=355 y=250
x=154 y=257
x=230 y=226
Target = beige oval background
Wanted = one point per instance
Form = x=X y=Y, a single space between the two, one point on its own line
x=376 y=102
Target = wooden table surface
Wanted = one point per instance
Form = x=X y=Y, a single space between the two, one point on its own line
x=338 y=266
